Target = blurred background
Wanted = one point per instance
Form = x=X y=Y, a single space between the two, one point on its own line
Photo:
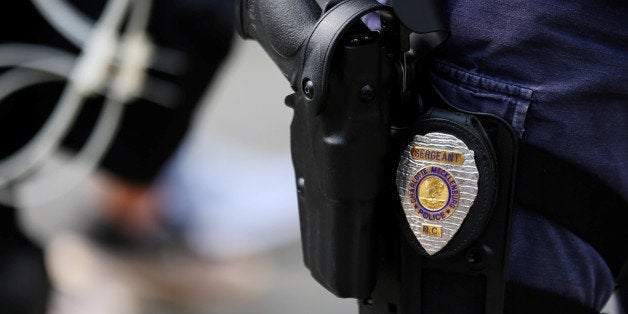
x=239 y=253
x=215 y=228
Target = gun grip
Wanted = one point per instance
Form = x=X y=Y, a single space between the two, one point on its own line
x=280 y=26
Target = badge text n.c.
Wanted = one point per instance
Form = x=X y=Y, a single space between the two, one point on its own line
x=431 y=230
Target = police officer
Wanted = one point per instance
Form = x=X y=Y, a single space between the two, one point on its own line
x=556 y=73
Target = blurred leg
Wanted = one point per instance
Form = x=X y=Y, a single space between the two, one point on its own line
x=25 y=287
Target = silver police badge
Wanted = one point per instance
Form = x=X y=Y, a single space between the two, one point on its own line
x=437 y=181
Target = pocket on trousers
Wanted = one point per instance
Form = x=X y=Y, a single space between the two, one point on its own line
x=472 y=92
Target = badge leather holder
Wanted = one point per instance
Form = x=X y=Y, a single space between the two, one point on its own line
x=447 y=167
x=471 y=263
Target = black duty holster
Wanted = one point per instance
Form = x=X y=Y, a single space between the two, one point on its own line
x=360 y=97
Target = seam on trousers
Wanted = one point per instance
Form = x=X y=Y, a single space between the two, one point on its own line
x=475 y=92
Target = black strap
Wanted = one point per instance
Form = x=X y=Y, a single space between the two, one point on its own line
x=576 y=200
x=420 y=16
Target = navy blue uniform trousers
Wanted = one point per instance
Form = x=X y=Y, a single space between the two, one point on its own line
x=557 y=71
